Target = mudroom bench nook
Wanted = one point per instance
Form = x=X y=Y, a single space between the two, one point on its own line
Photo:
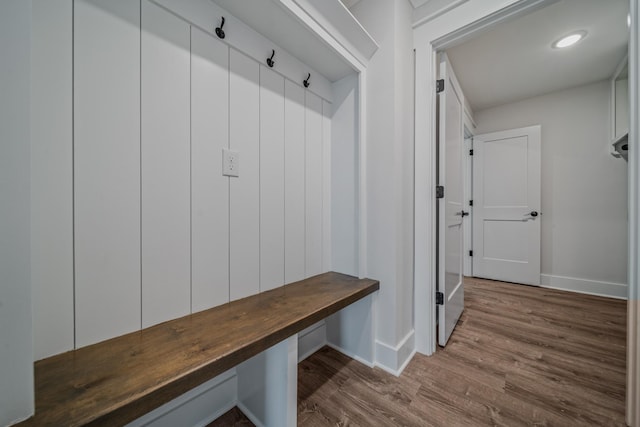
x=119 y=380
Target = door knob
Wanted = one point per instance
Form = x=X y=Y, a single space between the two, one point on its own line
x=534 y=213
x=462 y=213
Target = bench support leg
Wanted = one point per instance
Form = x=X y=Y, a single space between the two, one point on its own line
x=351 y=330
x=267 y=385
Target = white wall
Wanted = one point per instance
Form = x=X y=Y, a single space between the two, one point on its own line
x=16 y=349
x=135 y=222
x=51 y=177
x=344 y=183
x=389 y=173
x=584 y=188
x=404 y=134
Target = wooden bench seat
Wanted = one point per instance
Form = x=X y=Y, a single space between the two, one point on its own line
x=116 y=381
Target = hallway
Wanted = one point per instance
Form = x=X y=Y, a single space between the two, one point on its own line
x=521 y=355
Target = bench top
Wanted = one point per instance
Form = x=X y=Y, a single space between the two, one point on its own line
x=118 y=380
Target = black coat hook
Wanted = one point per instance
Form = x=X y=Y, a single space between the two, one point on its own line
x=219 y=31
x=270 y=61
x=306 y=82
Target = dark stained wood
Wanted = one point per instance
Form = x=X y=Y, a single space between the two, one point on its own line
x=232 y=418
x=520 y=356
x=116 y=381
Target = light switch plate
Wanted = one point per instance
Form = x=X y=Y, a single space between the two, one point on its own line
x=230 y=162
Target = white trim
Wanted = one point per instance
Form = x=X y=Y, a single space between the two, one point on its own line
x=584 y=286
x=293 y=7
x=336 y=19
x=424 y=207
x=351 y=355
x=633 y=315
x=467 y=187
x=509 y=11
x=430 y=16
x=394 y=359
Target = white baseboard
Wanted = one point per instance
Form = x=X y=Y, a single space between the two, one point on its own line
x=584 y=286
x=395 y=359
x=351 y=355
x=198 y=407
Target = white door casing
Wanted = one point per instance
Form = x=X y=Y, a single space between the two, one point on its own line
x=506 y=214
x=468 y=196
x=450 y=208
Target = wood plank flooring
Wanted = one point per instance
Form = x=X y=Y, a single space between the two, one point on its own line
x=520 y=356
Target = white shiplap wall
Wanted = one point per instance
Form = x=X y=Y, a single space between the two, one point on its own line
x=159 y=232
x=209 y=135
x=106 y=179
x=166 y=163
x=271 y=179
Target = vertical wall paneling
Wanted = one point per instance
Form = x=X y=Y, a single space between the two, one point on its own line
x=345 y=177
x=313 y=184
x=106 y=168
x=16 y=337
x=52 y=177
x=326 y=186
x=294 y=164
x=244 y=202
x=209 y=188
x=271 y=179
x=242 y=37
x=166 y=245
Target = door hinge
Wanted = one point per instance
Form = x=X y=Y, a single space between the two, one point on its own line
x=439 y=85
x=470 y=253
x=439 y=192
x=470 y=202
x=471 y=152
x=439 y=298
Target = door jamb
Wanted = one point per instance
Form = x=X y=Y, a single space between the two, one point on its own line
x=467 y=190
x=633 y=305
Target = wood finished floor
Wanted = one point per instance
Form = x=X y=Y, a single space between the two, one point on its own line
x=520 y=356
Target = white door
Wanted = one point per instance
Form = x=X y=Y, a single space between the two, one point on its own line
x=506 y=205
x=450 y=207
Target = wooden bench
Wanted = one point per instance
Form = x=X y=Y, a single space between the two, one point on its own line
x=117 y=381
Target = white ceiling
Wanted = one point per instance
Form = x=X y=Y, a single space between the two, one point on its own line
x=514 y=60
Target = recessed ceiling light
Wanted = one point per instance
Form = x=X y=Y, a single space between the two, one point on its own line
x=569 y=40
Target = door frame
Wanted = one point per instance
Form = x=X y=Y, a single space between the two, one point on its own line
x=453 y=299
x=467 y=244
x=444 y=30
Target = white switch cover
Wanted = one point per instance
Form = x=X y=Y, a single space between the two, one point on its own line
x=230 y=162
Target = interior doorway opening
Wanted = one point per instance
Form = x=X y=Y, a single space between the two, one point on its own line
x=501 y=211
x=470 y=19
